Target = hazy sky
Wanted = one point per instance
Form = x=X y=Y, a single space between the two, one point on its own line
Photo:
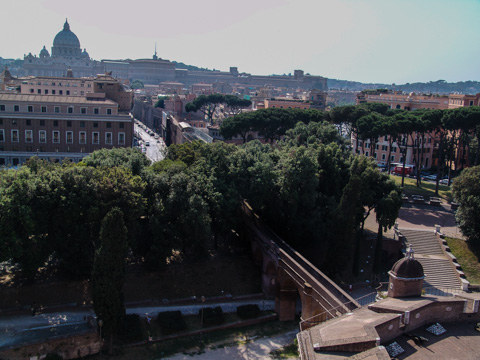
x=387 y=41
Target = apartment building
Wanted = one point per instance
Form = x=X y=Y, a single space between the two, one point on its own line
x=55 y=127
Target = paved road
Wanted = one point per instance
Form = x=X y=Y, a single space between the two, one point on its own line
x=20 y=329
x=155 y=151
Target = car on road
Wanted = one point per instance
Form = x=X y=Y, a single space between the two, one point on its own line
x=444 y=182
x=147 y=143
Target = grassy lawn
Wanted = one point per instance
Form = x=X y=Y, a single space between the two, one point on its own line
x=426 y=189
x=466 y=258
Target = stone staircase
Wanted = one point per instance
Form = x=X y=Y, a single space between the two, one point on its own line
x=438 y=269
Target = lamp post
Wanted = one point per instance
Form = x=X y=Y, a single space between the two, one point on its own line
x=201 y=318
x=100 y=324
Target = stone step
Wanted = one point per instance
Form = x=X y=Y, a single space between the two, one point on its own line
x=438 y=272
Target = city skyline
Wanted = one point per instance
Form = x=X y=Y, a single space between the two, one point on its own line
x=371 y=41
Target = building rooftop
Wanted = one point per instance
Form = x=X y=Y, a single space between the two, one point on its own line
x=55 y=99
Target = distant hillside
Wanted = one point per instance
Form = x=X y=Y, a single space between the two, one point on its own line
x=439 y=86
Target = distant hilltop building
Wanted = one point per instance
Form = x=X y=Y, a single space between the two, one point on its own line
x=66 y=53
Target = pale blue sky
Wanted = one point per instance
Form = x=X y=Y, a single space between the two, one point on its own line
x=361 y=40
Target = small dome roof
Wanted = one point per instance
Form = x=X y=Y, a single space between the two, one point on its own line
x=408 y=267
x=85 y=54
x=66 y=38
x=44 y=52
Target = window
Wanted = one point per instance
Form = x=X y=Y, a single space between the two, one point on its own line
x=384 y=147
x=122 y=125
x=44 y=109
x=82 y=93
x=121 y=138
x=28 y=136
x=95 y=138
x=14 y=135
x=46 y=91
x=57 y=109
x=392 y=158
x=385 y=138
x=69 y=137
x=375 y=155
x=96 y=111
x=70 y=109
x=14 y=121
x=30 y=108
x=108 y=138
x=28 y=122
x=82 y=139
x=109 y=111
x=376 y=147
x=95 y=124
x=56 y=137
x=16 y=108
x=68 y=92
x=53 y=92
x=109 y=125
x=471 y=102
x=2 y=135
x=401 y=159
x=83 y=110
x=394 y=149
x=42 y=122
x=366 y=153
x=32 y=91
x=2 y=107
x=367 y=145
x=55 y=122
x=82 y=124
x=42 y=136
x=383 y=156
x=69 y=123
x=39 y=91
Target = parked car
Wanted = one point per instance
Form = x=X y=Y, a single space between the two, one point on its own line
x=444 y=182
x=147 y=143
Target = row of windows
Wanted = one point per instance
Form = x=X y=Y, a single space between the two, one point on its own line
x=55 y=123
x=54 y=92
x=56 y=109
x=42 y=137
x=59 y=84
x=384 y=157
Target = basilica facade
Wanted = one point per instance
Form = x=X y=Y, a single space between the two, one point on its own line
x=66 y=53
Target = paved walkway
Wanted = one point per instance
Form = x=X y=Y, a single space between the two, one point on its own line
x=258 y=349
x=422 y=217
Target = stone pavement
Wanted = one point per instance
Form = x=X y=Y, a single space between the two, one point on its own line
x=258 y=349
x=422 y=217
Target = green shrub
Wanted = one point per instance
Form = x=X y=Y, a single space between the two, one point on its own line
x=212 y=316
x=249 y=311
x=132 y=329
x=171 y=322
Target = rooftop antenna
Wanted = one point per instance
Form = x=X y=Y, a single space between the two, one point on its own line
x=155 y=57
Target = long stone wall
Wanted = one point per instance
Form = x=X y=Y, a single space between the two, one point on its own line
x=71 y=347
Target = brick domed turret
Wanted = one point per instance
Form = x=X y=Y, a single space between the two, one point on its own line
x=406 y=277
